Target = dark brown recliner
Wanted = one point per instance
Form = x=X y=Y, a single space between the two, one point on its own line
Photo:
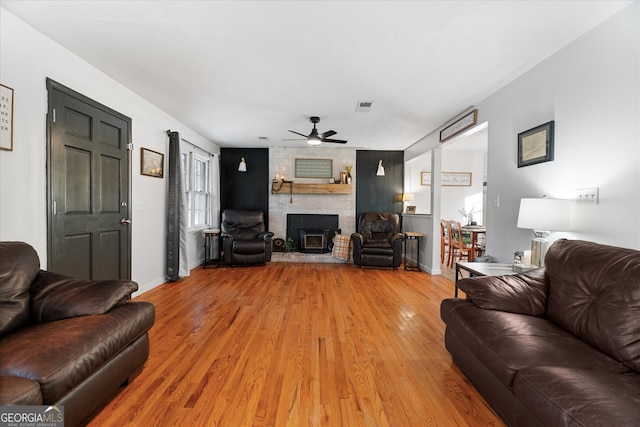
x=244 y=238
x=378 y=242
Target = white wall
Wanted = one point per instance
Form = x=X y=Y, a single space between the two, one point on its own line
x=591 y=88
x=456 y=198
x=27 y=59
x=412 y=182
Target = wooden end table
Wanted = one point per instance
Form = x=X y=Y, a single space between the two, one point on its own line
x=410 y=235
x=209 y=235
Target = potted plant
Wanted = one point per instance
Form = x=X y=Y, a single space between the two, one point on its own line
x=289 y=245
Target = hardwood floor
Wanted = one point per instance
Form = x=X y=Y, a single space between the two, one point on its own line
x=299 y=345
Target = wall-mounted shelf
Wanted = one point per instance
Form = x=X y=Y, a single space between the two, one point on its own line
x=289 y=187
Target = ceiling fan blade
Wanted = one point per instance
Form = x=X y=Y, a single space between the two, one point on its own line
x=336 y=141
x=328 y=133
x=298 y=133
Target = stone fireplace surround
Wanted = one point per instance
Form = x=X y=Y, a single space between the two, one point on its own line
x=280 y=204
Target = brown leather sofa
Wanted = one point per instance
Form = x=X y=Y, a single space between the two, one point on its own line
x=557 y=346
x=63 y=341
x=245 y=240
x=378 y=242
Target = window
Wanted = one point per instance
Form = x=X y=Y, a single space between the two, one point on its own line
x=196 y=171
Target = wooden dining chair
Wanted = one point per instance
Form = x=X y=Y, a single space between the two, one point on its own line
x=458 y=246
x=444 y=241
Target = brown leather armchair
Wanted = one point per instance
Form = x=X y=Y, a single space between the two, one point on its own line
x=378 y=242
x=244 y=239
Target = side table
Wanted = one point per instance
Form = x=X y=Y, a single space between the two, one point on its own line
x=211 y=236
x=486 y=269
x=414 y=237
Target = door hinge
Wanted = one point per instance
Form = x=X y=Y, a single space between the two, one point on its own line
x=130 y=146
x=54 y=116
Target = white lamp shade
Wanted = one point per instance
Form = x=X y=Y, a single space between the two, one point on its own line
x=242 y=167
x=544 y=214
x=407 y=197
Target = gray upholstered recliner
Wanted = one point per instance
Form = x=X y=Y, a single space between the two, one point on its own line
x=378 y=242
x=245 y=240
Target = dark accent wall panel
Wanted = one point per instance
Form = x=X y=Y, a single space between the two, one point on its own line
x=379 y=193
x=245 y=190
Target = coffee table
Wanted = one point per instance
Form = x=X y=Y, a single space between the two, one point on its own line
x=486 y=269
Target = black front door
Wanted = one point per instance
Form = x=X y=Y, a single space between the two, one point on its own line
x=89 y=232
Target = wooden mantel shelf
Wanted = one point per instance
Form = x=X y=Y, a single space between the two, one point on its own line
x=293 y=188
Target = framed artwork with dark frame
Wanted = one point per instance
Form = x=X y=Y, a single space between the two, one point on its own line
x=151 y=163
x=536 y=145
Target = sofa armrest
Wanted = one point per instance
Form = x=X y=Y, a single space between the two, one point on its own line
x=358 y=239
x=55 y=297
x=524 y=293
x=397 y=237
x=265 y=235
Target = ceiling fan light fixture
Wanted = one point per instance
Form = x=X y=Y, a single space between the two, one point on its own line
x=314 y=140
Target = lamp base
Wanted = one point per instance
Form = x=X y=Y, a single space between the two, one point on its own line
x=539 y=246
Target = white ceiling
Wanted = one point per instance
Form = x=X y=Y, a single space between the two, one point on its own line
x=234 y=71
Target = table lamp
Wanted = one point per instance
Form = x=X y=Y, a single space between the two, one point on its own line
x=542 y=216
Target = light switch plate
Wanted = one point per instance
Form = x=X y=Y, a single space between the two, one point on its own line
x=588 y=195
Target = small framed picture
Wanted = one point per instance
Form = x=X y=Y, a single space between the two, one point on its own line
x=151 y=163
x=536 y=145
x=425 y=178
x=411 y=209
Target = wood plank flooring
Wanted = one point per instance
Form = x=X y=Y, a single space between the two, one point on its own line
x=299 y=345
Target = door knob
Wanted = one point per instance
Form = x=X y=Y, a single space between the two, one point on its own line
x=125 y=221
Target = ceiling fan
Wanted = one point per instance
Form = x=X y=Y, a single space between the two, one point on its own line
x=314 y=138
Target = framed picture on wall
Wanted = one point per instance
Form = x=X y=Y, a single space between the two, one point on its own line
x=425 y=178
x=6 y=118
x=536 y=145
x=151 y=163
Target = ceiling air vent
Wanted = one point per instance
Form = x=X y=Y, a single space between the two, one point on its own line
x=364 y=106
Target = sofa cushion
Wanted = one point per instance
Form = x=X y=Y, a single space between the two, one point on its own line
x=62 y=354
x=19 y=265
x=241 y=224
x=566 y=396
x=19 y=391
x=524 y=293
x=594 y=292
x=55 y=297
x=507 y=342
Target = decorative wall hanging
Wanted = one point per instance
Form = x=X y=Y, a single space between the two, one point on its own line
x=6 y=118
x=448 y=179
x=314 y=168
x=460 y=125
x=536 y=145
